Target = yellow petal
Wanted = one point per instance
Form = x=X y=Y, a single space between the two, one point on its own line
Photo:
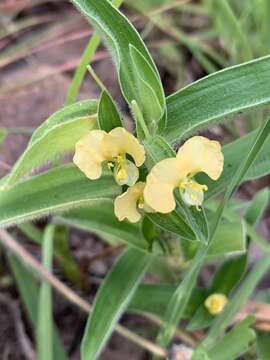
x=125 y=205
x=88 y=154
x=160 y=184
x=201 y=154
x=119 y=142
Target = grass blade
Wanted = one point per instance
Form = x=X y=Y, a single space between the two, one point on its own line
x=45 y=307
x=112 y=299
x=29 y=292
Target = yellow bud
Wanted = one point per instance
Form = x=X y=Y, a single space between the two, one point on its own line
x=215 y=303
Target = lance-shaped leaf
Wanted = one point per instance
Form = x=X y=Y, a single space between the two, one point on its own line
x=217 y=96
x=108 y=114
x=29 y=292
x=112 y=300
x=138 y=76
x=55 y=137
x=57 y=190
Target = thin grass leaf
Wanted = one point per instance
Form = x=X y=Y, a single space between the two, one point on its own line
x=229 y=27
x=112 y=300
x=45 y=307
x=257 y=207
x=29 y=292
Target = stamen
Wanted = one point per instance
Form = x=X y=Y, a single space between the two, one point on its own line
x=110 y=165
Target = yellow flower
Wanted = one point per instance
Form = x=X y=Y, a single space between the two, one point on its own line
x=215 y=303
x=98 y=146
x=198 y=154
x=127 y=205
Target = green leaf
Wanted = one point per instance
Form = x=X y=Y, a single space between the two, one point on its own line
x=112 y=299
x=229 y=275
x=56 y=190
x=153 y=299
x=235 y=343
x=174 y=223
x=217 y=96
x=230 y=239
x=108 y=115
x=257 y=207
x=120 y=34
x=150 y=89
x=263 y=349
x=29 y=292
x=112 y=230
x=45 y=307
x=232 y=160
x=64 y=255
x=57 y=136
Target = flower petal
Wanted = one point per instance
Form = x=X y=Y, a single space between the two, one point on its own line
x=160 y=183
x=167 y=171
x=160 y=197
x=119 y=142
x=88 y=154
x=201 y=154
x=125 y=205
x=130 y=173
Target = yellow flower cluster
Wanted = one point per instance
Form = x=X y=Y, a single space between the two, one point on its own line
x=198 y=154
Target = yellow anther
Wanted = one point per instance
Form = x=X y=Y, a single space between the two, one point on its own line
x=110 y=165
x=215 y=303
x=121 y=159
x=122 y=174
x=140 y=205
x=191 y=184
